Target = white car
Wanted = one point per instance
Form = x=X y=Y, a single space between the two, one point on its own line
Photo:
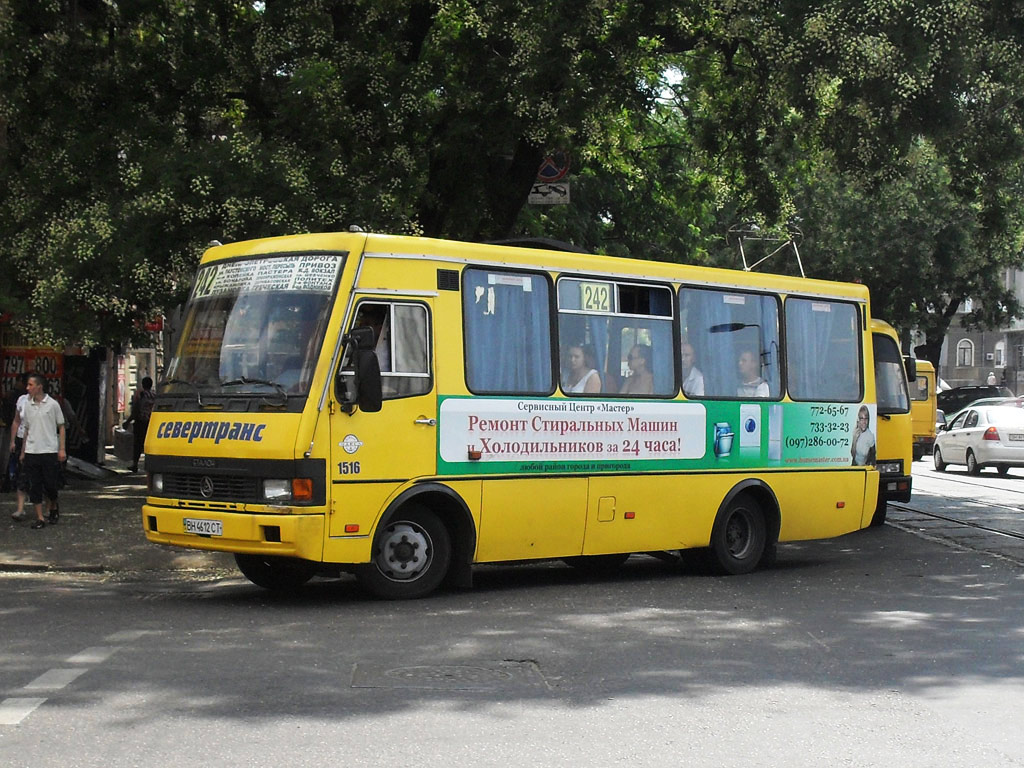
x=982 y=436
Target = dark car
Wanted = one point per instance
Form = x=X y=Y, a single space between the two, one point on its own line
x=952 y=400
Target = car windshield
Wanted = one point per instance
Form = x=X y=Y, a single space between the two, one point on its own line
x=254 y=326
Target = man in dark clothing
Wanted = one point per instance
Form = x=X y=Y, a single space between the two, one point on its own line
x=142 y=409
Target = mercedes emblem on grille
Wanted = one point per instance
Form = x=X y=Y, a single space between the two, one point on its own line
x=206 y=487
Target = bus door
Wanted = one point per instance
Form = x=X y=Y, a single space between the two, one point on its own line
x=372 y=454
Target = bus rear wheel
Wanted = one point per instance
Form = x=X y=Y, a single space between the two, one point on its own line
x=276 y=573
x=411 y=555
x=739 y=536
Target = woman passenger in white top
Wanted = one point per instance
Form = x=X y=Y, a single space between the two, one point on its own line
x=581 y=376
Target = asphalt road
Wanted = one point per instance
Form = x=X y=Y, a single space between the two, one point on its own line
x=891 y=646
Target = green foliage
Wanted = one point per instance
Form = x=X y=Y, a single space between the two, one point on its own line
x=132 y=133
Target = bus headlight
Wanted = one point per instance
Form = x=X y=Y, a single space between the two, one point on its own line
x=277 y=490
x=156 y=483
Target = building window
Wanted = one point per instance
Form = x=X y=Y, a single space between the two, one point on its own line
x=1000 y=355
x=965 y=354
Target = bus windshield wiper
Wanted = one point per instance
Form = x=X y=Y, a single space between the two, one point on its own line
x=246 y=380
x=193 y=385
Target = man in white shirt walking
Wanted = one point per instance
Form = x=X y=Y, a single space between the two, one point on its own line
x=43 y=448
x=17 y=438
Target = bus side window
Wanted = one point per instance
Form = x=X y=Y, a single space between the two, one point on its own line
x=735 y=337
x=507 y=322
x=823 y=342
x=620 y=335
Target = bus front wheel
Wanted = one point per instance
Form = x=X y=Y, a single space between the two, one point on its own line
x=410 y=557
x=277 y=573
x=739 y=536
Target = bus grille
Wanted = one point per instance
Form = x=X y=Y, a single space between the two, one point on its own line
x=182 y=486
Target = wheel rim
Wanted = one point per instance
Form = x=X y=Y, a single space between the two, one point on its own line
x=405 y=552
x=972 y=463
x=739 y=534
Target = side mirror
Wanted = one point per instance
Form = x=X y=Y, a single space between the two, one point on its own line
x=362 y=384
x=911 y=365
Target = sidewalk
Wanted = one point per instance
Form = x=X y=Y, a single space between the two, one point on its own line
x=100 y=531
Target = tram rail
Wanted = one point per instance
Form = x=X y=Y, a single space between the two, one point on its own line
x=966 y=523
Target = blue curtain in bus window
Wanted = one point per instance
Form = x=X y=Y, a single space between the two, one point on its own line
x=599 y=338
x=823 y=351
x=508 y=332
x=771 y=354
x=720 y=325
x=662 y=358
x=661 y=303
x=806 y=349
x=705 y=314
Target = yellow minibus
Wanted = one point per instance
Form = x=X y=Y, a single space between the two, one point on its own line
x=893 y=459
x=922 y=409
x=403 y=408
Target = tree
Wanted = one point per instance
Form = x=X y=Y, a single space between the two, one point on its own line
x=915 y=242
x=134 y=133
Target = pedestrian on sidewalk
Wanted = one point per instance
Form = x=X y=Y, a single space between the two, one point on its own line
x=43 y=448
x=141 y=411
x=17 y=414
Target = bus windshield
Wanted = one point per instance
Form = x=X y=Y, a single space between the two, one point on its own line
x=890 y=378
x=254 y=326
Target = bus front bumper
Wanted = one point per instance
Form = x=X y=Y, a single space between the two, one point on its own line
x=287 y=535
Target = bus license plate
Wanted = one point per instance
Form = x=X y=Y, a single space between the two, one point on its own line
x=204 y=527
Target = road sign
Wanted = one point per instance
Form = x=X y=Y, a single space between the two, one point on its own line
x=549 y=194
x=553 y=168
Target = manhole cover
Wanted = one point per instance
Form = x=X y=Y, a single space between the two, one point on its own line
x=489 y=675
x=471 y=675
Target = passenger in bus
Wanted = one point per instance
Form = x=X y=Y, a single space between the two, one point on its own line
x=693 y=379
x=641 y=377
x=375 y=316
x=862 y=446
x=752 y=385
x=581 y=377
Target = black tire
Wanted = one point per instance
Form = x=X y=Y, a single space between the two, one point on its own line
x=739 y=536
x=411 y=554
x=918 y=453
x=881 y=509
x=1002 y=469
x=940 y=465
x=973 y=467
x=276 y=573
x=595 y=565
